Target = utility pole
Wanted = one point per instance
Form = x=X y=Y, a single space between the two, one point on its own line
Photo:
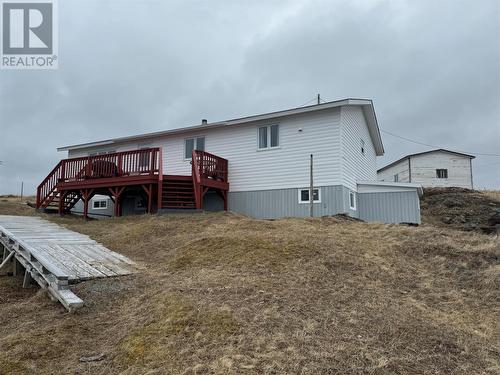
x=311 y=189
x=22 y=190
x=319 y=99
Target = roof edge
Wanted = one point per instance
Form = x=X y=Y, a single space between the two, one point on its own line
x=410 y=185
x=241 y=120
x=423 y=153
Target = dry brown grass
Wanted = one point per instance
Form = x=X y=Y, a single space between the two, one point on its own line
x=14 y=205
x=494 y=195
x=219 y=293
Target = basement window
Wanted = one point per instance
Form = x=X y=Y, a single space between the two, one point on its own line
x=191 y=144
x=101 y=204
x=269 y=137
x=304 y=195
x=352 y=200
x=442 y=173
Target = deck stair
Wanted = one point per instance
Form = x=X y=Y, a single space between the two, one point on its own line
x=52 y=204
x=178 y=192
x=123 y=174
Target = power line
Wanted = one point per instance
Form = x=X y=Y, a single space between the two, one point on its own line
x=434 y=146
x=315 y=100
x=310 y=101
x=321 y=100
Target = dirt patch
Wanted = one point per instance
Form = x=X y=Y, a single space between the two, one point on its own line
x=459 y=208
x=221 y=293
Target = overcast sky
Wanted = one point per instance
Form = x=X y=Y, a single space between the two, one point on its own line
x=432 y=69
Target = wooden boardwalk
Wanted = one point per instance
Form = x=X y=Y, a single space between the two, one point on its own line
x=55 y=257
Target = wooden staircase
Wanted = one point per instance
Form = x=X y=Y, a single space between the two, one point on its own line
x=52 y=204
x=178 y=192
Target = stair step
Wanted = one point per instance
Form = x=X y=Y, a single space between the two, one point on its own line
x=178 y=202
x=183 y=186
x=179 y=189
x=187 y=207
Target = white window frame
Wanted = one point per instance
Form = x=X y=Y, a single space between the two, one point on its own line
x=195 y=145
x=100 y=201
x=355 y=199
x=268 y=138
x=396 y=177
x=309 y=200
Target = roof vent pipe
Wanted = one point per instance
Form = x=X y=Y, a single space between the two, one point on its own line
x=204 y=121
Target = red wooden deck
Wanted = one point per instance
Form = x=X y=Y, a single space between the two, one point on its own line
x=115 y=174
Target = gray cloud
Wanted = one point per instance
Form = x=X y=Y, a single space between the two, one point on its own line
x=127 y=67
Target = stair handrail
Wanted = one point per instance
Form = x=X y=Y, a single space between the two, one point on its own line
x=210 y=165
x=195 y=167
x=51 y=182
x=143 y=161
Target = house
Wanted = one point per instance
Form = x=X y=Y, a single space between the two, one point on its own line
x=435 y=168
x=257 y=165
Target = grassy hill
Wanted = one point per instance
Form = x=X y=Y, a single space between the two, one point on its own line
x=221 y=293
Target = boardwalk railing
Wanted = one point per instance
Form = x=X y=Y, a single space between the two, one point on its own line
x=119 y=164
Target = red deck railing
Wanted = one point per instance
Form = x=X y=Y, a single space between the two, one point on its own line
x=119 y=164
x=209 y=166
x=208 y=170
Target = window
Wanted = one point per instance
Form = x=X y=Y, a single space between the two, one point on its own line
x=362 y=147
x=304 y=195
x=442 y=173
x=352 y=200
x=100 y=204
x=191 y=144
x=396 y=177
x=269 y=137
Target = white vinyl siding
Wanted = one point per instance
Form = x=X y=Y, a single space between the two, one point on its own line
x=423 y=170
x=356 y=165
x=400 y=169
x=284 y=167
x=287 y=165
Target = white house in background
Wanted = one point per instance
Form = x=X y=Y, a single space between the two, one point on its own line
x=435 y=168
x=268 y=158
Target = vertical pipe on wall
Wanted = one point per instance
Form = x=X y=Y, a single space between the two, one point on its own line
x=311 y=189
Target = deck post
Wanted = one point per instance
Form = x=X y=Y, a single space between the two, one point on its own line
x=62 y=197
x=160 y=179
x=86 y=194
x=116 y=193
x=85 y=204
x=149 y=191
x=117 y=206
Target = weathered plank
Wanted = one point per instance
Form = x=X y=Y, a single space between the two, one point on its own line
x=53 y=256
